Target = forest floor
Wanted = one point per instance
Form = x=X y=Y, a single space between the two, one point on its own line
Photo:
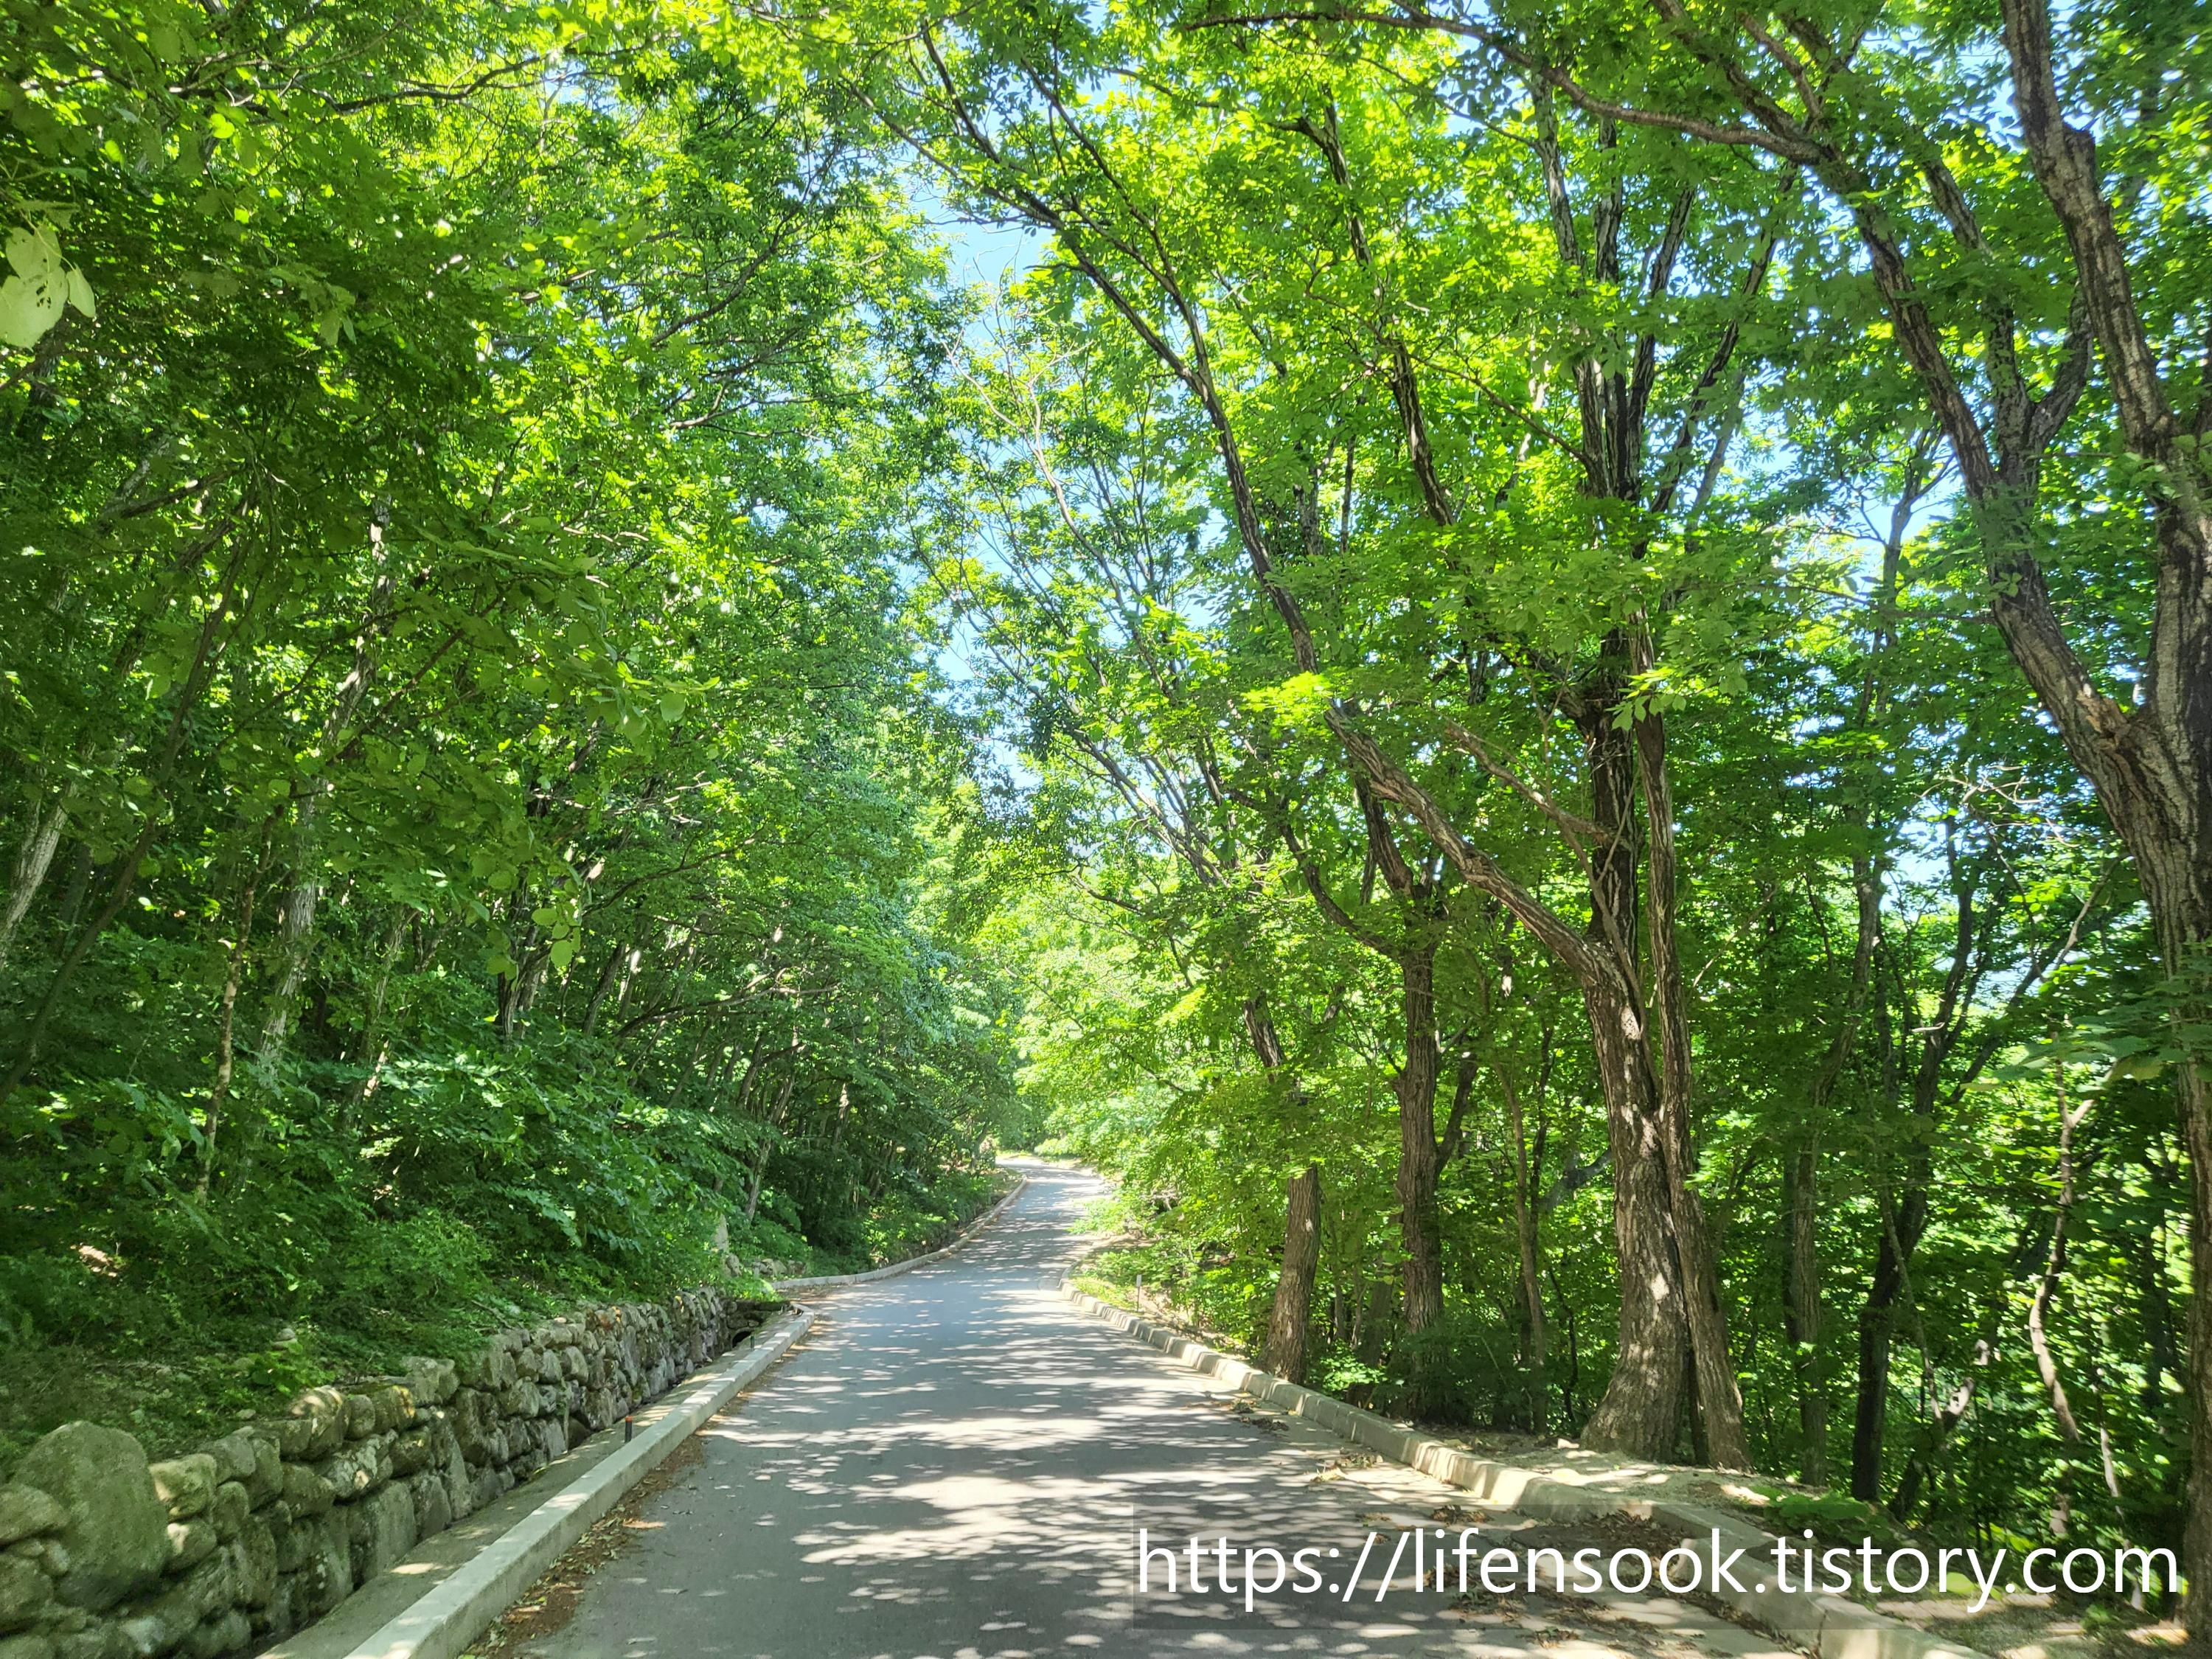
x=1132 y=1270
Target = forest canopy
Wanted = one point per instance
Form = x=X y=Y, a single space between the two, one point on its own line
x=1545 y=670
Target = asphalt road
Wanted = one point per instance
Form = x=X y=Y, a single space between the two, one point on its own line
x=954 y=1463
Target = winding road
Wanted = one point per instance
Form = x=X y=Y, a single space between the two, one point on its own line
x=955 y=1465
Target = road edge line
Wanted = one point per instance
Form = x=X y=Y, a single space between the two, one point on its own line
x=449 y=1615
x=1808 y=1617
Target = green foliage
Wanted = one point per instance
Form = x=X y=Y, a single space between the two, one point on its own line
x=577 y=718
x=479 y=794
x=1830 y=1517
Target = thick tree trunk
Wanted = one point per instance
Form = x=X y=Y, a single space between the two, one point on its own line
x=1293 y=1314
x=1869 y=1420
x=1892 y=1265
x=1418 y=1158
x=1641 y=1415
x=2151 y=764
x=1720 y=1403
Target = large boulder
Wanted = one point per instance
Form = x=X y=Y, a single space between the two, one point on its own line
x=100 y=1639
x=455 y=1474
x=488 y=1484
x=208 y=1591
x=519 y=1399
x=276 y=1621
x=474 y=1424
x=493 y=1369
x=267 y=1481
x=117 y=1529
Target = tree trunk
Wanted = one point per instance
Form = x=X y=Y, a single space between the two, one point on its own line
x=2054 y=1270
x=2151 y=764
x=225 y=1052
x=1524 y=1230
x=1720 y=1403
x=40 y=840
x=294 y=933
x=1801 y=1307
x=297 y=934
x=606 y=985
x=373 y=1049
x=2181 y=910
x=760 y=1170
x=1415 y=1086
x=1800 y=1303
x=1641 y=1415
x=1291 y=1317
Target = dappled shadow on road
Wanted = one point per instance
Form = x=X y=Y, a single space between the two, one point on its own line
x=955 y=1465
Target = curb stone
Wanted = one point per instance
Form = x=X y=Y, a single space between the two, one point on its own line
x=1828 y=1626
x=966 y=1236
x=443 y=1623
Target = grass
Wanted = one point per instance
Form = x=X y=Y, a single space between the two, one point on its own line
x=174 y=1376
x=175 y=1381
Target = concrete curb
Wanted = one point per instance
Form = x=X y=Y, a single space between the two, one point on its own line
x=443 y=1623
x=967 y=1235
x=1830 y=1626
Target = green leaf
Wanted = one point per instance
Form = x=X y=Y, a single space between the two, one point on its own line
x=28 y=307
x=33 y=251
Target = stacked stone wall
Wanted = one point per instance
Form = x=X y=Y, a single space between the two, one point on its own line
x=229 y=1549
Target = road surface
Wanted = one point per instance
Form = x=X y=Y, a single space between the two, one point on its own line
x=954 y=1463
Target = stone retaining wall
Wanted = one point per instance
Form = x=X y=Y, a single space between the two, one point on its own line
x=230 y=1548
